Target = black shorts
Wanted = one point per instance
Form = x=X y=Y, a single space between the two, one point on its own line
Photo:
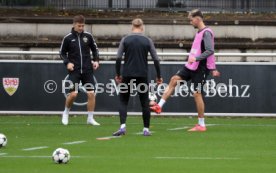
x=86 y=79
x=198 y=77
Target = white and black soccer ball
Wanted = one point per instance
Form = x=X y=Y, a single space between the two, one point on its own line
x=152 y=98
x=3 y=140
x=61 y=155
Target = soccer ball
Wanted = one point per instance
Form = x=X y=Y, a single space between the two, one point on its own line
x=61 y=155
x=152 y=98
x=3 y=140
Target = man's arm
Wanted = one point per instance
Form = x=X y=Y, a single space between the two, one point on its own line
x=208 y=45
x=64 y=50
x=155 y=59
x=120 y=54
x=94 y=49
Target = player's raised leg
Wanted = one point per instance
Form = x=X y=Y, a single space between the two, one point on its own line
x=157 y=108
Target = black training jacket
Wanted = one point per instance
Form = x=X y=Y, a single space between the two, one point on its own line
x=75 y=48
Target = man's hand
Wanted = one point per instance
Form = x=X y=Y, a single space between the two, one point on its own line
x=118 y=79
x=159 y=81
x=215 y=73
x=70 y=66
x=191 y=60
x=95 y=65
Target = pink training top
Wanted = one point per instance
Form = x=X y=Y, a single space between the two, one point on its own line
x=196 y=51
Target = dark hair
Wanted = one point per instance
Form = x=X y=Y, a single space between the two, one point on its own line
x=79 y=19
x=196 y=13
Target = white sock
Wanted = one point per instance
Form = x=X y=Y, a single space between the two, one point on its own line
x=161 y=102
x=123 y=126
x=201 y=122
x=145 y=129
x=66 y=110
x=90 y=114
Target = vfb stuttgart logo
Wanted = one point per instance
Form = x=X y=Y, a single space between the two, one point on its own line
x=10 y=85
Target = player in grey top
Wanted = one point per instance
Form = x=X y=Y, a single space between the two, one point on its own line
x=197 y=77
x=135 y=48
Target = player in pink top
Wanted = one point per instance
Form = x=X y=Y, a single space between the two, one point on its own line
x=200 y=63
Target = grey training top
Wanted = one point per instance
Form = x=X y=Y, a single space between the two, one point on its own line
x=207 y=47
x=136 y=47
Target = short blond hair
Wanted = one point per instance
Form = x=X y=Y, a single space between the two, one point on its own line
x=137 y=23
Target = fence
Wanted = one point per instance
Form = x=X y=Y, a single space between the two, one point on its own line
x=244 y=89
x=159 y=54
x=171 y=5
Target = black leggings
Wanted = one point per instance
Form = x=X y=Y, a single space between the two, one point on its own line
x=125 y=92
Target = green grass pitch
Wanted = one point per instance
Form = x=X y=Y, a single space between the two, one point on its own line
x=231 y=145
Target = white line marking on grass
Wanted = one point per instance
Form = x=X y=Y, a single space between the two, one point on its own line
x=245 y=125
x=141 y=133
x=74 y=142
x=35 y=156
x=179 y=128
x=210 y=124
x=156 y=123
x=198 y=158
x=2 y=154
x=186 y=127
x=34 y=148
x=27 y=156
x=108 y=137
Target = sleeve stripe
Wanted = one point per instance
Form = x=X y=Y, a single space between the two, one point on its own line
x=63 y=41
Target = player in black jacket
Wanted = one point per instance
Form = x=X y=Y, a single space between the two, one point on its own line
x=75 y=52
x=135 y=48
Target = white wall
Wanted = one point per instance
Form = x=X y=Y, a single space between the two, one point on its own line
x=156 y=32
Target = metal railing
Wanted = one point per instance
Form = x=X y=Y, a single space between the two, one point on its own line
x=159 y=54
x=171 y=5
